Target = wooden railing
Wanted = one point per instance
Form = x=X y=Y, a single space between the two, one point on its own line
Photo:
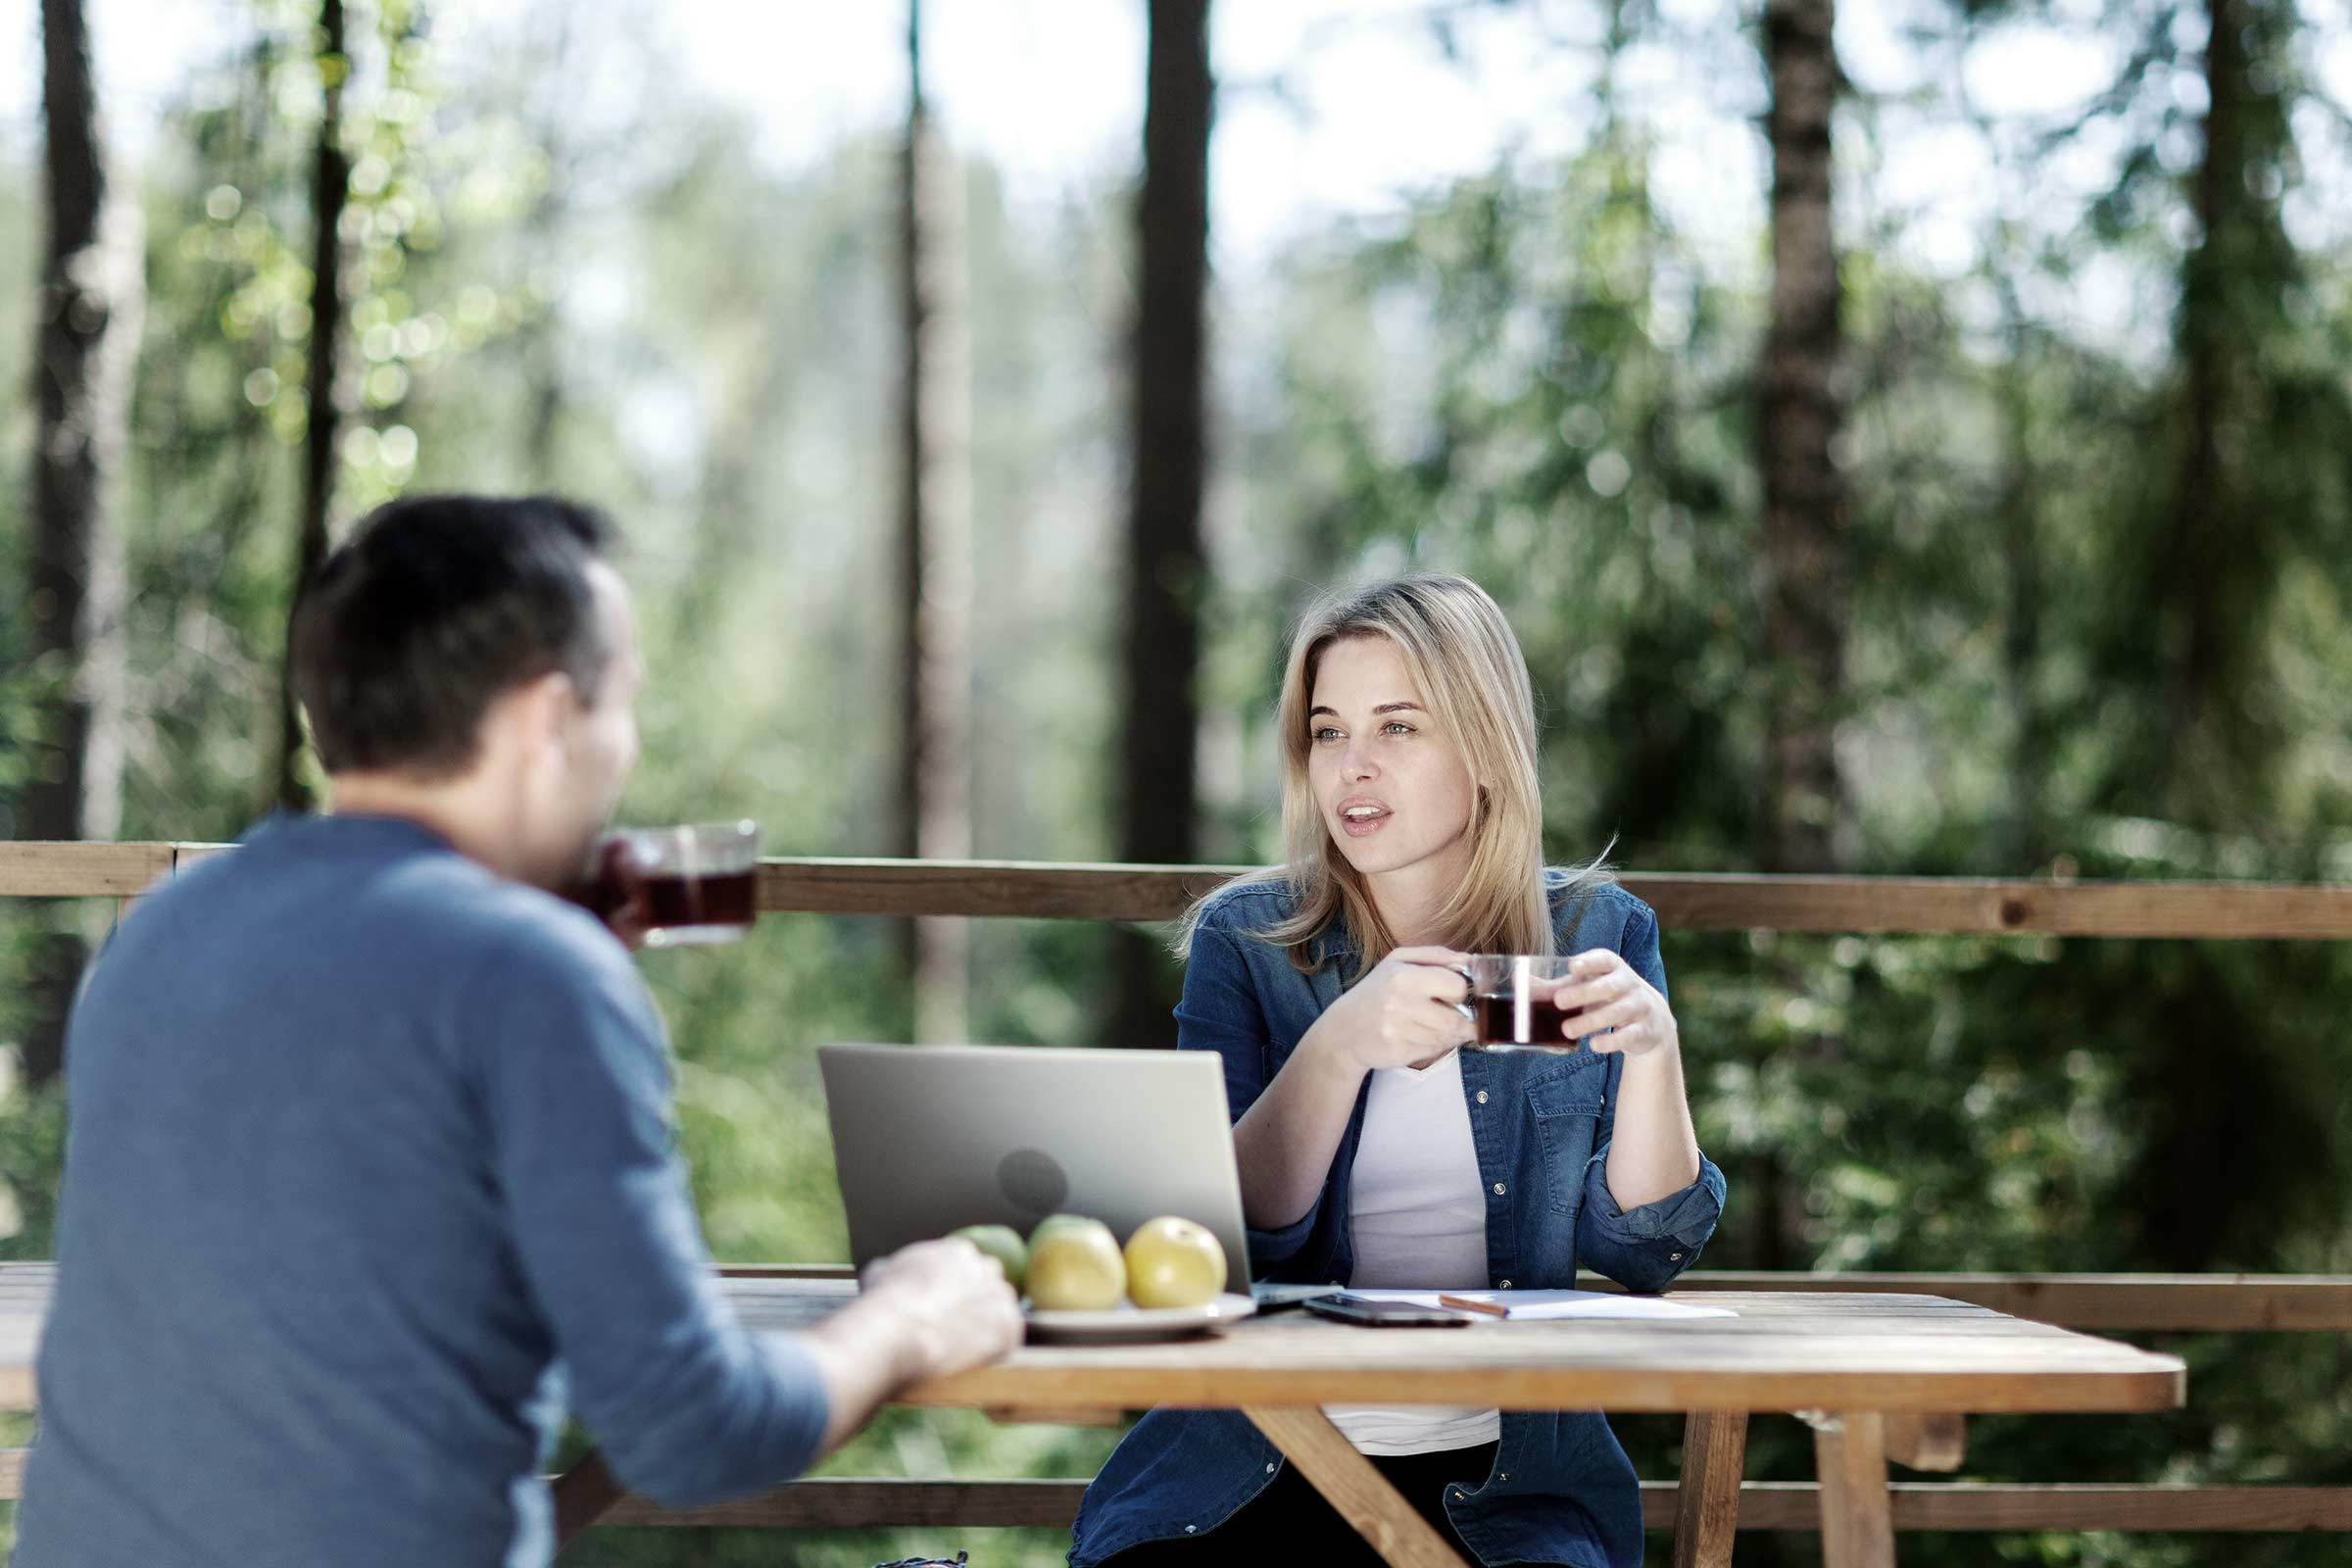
x=1685 y=901
x=2105 y=1304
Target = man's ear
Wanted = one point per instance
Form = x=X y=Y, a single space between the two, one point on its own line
x=538 y=713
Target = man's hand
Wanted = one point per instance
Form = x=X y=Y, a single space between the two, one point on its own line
x=611 y=887
x=951 y=1302
x=922 y=1312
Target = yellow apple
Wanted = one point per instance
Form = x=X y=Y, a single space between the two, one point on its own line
x=1075 y=1266
x=1174 y=1262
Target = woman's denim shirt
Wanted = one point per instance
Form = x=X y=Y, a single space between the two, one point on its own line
x=1560 y=1489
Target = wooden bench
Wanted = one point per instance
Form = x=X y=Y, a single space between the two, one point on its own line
x=2101 y=1304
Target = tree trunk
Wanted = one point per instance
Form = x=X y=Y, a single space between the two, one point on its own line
x=935 y=544
x=86 y=345
x=2025 y=836
x=2220 y=552
x=1799 y=415
x=543 y=237
x=2216 y=560
x=330 y=187
x=1805 y=574
x=1165 y=571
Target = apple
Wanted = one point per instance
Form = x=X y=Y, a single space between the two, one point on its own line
x=1173 y=1262
x=1075 y=1266
x=1003 y=1243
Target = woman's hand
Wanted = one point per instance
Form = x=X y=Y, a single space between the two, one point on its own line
x=1407 y=1013
x=1615 y=998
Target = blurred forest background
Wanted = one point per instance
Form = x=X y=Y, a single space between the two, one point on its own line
x=1915 y=440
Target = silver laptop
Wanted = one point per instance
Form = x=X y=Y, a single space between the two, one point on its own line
x=928 y=1138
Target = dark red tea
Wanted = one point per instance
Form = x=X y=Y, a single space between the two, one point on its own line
x=675 y=903
x=603 y=895
x=718 y=904
x=1497 y=1022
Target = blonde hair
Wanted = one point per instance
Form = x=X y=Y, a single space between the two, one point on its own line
x=1466 y=665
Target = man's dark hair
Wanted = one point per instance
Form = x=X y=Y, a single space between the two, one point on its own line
x=433 y=609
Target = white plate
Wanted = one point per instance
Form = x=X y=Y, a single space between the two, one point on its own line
x=1127 y=1321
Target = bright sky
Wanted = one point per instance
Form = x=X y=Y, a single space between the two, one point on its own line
x=1368 y=108
x=1051 y=90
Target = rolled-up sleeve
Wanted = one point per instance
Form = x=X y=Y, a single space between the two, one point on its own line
x=687 y=1406
x=1644 y=1248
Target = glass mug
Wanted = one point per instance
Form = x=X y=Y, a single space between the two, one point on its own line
x=701 y=881
x=1510 y=1002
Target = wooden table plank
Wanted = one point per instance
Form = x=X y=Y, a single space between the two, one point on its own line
x=1786 y=1351
x=1885 y=1351
x=2318 y=1304
x=2105 y=1302
x=2134 y=1302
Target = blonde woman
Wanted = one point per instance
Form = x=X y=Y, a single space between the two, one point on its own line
x=1372 y=1150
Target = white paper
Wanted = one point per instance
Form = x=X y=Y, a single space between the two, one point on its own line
x=1533 y=1305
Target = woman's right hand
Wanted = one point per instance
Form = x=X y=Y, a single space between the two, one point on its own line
x=1407 y=1013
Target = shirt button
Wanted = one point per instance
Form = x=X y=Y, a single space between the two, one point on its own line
x=1482 y=1097
x=1269 y=1469
x=1506 y=1476
x=1674 y=1258
x=1189 y=1529
x=1503 y=1285
x=1498 y=1189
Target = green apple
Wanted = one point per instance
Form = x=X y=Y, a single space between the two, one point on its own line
x=1003 y=1243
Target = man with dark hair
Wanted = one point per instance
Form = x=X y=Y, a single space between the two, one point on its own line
x=370 y=1169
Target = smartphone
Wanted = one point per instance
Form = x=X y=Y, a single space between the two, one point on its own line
x=1344 y=1308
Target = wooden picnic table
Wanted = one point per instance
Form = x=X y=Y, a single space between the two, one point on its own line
x=1879 y=1377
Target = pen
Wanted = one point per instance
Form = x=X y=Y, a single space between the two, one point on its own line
x=1466 y=1304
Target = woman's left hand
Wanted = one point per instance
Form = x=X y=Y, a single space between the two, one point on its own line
x=1616 y=999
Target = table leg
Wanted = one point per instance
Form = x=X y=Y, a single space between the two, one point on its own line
x=1706 y=1508
x=1353 y=1486
x=1857 y=1527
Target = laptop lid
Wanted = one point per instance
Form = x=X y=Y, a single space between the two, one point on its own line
x=930 y=1138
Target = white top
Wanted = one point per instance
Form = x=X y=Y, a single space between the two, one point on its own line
x=1417 y=1218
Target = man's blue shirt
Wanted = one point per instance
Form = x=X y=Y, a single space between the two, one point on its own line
x=369 y=1174
x=1560 y=1488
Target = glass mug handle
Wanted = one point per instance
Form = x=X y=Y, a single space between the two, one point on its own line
x=1468 y=985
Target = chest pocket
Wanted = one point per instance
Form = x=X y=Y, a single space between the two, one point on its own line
x=1565 y=1104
